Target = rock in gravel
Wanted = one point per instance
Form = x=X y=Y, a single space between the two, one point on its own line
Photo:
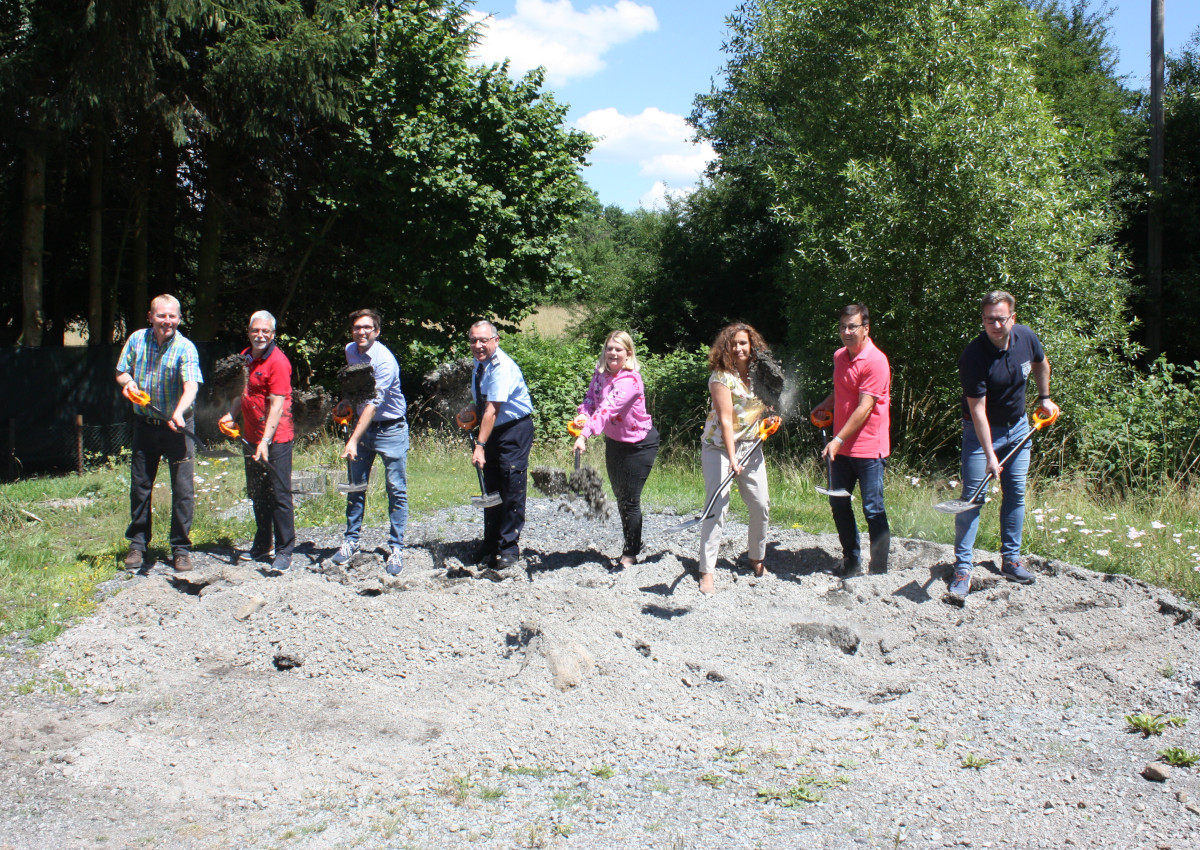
x=837 y=636
x=1156 y=772
x=249 y=607
x=569 y=663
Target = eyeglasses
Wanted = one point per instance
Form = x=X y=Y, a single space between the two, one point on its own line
x=998 y=321
x=480 y=340
x=363 y=329
x=849 y=328
x=261 y=332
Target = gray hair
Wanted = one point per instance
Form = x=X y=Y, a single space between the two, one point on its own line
x=999 y=296
x=262 y=314
x=485 y=323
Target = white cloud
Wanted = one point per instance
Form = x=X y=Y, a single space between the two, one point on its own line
x=552 y=33
x=659 y=142
x=656 y=198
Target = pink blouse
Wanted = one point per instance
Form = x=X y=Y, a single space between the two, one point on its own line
x=615 y=406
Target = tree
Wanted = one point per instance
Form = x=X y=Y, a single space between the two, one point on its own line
x=916 y=167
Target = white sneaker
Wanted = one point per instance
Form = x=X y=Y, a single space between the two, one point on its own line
x=395 y=562
x=346 y=552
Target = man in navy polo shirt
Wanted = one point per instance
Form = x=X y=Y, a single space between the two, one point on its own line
x=503 y=408
x=381 y=429
x=994 y=369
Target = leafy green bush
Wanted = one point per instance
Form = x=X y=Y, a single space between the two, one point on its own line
x=1147 y=433
x=558 y=371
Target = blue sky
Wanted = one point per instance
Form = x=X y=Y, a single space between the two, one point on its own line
x=630 y=70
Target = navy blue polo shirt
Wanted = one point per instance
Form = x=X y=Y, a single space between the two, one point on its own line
x=985 y=370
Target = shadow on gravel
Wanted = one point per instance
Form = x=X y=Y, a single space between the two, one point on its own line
x=793 y=564
x=664 y=613
x=539 y=562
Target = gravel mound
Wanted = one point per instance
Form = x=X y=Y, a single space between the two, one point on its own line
x=569 y=704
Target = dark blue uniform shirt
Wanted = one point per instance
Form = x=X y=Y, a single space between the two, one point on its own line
x=1000 y=375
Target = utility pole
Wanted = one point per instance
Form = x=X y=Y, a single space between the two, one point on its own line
x=1154 y=246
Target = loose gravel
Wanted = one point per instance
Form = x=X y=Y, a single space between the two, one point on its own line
x=573 y=704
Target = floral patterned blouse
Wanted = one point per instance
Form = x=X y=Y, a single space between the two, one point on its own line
x=747 y=409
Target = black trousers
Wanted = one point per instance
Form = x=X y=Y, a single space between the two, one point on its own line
x=152 y=443
x=274 y=513
x=629 y=466
x=505 y=471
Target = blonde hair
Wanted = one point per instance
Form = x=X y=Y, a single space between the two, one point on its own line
x=626 y=342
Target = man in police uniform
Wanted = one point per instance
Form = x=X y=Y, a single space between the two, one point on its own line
x=503 y=408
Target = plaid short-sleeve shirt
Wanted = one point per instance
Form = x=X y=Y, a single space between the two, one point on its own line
x=160 y=370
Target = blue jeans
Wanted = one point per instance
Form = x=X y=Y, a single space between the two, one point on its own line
x=868 y=472
x=390 y=442
x=1012 y=483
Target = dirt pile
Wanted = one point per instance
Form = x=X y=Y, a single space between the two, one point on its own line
x=329 y=707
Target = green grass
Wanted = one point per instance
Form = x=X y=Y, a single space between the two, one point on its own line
x=49 y=570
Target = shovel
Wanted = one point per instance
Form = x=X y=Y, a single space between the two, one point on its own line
x=349 y=485
x=142 y=399
x=484 y=499
x=766 y=428
x=957 y=506
x=823 y=419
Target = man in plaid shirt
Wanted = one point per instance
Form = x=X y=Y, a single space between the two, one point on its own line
x=161 y=362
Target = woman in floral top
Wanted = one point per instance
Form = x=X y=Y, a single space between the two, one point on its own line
x=731 y=426
x=615 y=405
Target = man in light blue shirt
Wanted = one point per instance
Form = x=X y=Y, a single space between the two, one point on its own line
x=503 y=408
x=380 y=429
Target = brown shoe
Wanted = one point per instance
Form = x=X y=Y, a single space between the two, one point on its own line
x=133 y=561
x=183 y=561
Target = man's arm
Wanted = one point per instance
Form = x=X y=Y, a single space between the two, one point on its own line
x=866 y=403
x=273 y=416
x=1041 y=377
x=983 y=430
x=360 y=428
x=177 y=421
x=486 y=424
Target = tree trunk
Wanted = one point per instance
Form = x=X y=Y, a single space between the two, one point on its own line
x=95 y=314
x=143 y=150
x=33 y=235
x=208 y=254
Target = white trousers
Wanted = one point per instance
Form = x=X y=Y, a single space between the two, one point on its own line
x=752 y=484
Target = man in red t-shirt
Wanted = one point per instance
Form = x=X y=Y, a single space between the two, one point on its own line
x=860 y=402
x=266 y=410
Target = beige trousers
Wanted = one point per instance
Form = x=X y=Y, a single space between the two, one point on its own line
x=752 y=484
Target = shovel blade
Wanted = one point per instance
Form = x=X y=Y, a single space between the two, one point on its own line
x=343 y=487
x=837 y=494
x=488 y=500
x=956 y=506
x=685 y=525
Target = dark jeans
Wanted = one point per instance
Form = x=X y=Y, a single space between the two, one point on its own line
x=271 y=494
x=629 y=466
x=505 y=471
x=152 y=443
x=868 y=473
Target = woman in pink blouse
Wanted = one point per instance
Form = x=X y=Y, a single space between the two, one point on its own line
x=615 y=406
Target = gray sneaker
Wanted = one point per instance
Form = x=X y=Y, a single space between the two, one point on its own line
x=395 y=562
x=1014 y=570
x=347 y=551
x=282 y=563
x=961 y=586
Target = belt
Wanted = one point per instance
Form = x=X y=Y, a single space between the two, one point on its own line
x=510 y=423
x=152 y=420
x=380 y=423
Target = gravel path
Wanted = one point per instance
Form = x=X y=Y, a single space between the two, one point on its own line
x=574 y=705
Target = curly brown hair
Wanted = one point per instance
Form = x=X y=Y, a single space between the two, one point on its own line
x=720 y=356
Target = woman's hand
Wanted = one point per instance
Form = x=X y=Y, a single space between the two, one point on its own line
x=580 y=445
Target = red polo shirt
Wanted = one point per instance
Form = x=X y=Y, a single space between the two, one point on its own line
x=869 y=372
x=271 y=375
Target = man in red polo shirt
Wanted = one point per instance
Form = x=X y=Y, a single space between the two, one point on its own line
x=266 y=410
x=860 y=402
